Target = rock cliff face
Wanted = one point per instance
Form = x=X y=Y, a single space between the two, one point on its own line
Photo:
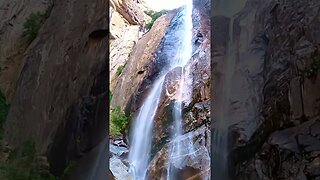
x=61 y=97
x=13 y=14
x=126 y=27
x=274 y=98
x=142 y=66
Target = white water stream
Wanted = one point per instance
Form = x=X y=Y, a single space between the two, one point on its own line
x=139 y=153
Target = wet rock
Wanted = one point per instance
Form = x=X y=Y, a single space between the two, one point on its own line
x=187 y=173
x=194 y=155
x=117 y=151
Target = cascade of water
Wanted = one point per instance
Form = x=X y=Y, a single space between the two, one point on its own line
x=141 y=141
x=183 y=93
x=139 y=153
x=228 y=8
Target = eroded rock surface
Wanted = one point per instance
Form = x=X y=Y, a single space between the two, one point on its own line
x=13 y=15
x=194 y=156
x=124 y=33
x=61 y=96
x=273 y=93
x=142 y=66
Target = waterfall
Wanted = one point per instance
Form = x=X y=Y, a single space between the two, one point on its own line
x=139 y=153
x=227 y=8
x=184 y=91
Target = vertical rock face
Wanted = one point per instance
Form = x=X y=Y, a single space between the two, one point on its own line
x=13 y=14
x=126 y=21
x=274 y=87
x=143 y=65
x=60 y=99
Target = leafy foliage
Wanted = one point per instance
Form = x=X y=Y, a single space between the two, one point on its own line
x=110 y=96
x=118 y=121
x=314 y=67
x=154 y=16
x=120 y=70
x=4 y=108
x=34 y=23
x=69 y=169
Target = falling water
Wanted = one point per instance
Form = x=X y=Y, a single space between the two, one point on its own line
x=141 y=143
x=184 y=54
x=139 y=153
x=227 y=8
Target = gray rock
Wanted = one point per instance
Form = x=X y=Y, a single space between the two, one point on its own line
x=117 y=150
x=313 y=168
x=118 y=169
x=285 y=139
x=309 y=143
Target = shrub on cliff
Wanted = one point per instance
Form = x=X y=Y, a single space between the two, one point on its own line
x=4 y=108
x=154 y=16
x=22 y=164
x=33 y=25
x=118 y=121
x=120 y=70
x=34 y=22
x=110 y=96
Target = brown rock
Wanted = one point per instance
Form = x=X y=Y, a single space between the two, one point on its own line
x=64 y=64
x=140 y=63
x=13 y=15
x=195 y=160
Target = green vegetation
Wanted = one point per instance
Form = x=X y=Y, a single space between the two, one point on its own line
x=154 y=15
x=22 y=164
x=110 y=96
x=120 y=70
x=34 y=23
x=314 y=67
x=69 y=169
x=4 y=108
x=118 y=121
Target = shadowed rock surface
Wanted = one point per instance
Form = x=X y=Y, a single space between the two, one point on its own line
x=13 y=14
x=274 y=89
x=61 y=96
